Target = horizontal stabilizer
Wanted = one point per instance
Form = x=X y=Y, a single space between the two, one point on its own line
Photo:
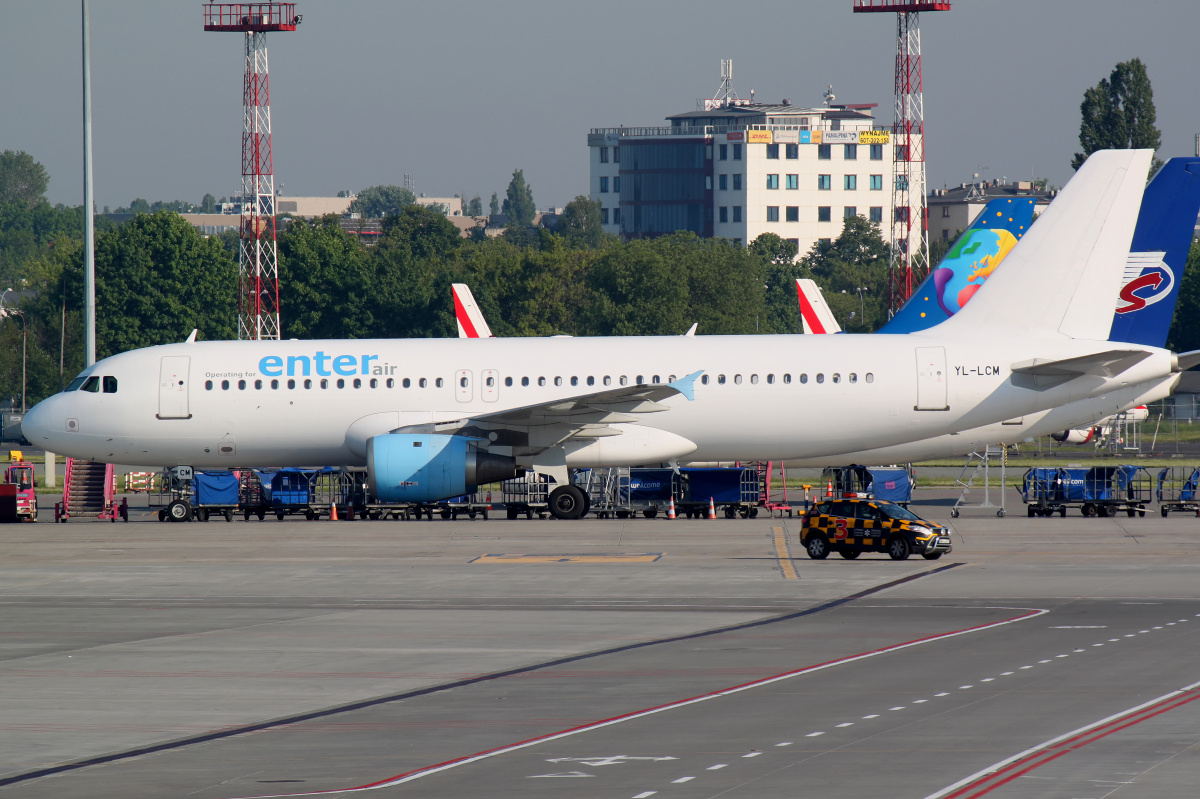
x=1188 y=359
x=1109 y=363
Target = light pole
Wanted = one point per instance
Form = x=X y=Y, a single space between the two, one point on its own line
x=862 y=313
x=8 y=311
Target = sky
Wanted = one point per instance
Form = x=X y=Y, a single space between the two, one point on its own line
x=459 y=94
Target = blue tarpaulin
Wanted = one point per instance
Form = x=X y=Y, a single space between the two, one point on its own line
x=216 y=488
x=291 y=487
x=891 y=484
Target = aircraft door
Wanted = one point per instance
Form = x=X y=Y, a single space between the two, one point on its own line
x=931 y=379
x=462 y=386
x=490 y=390
x=173 y=387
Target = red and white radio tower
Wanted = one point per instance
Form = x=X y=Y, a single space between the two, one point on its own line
x=258 y=264
x=910 y=216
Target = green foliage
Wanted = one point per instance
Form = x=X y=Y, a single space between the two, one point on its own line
x=1118 y=113
x=580 y=225
x=494 y=205
x=473 y=207
x=518 y=202
x=1185 y=327
x=22 y=180
x=774 y=249
x=380 y=201
x=857 y=259
x=322 y=273
x=208 y=205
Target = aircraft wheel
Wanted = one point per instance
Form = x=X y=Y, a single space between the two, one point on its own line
x=567 y=502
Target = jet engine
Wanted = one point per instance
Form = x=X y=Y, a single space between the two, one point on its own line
x=408 y=467
x=1075 y=436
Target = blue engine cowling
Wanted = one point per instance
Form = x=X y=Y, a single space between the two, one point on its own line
x=411 y=467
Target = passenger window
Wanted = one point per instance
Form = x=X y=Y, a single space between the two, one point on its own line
x=558 y=381
x=462 y=381
x=308 y=384
x=92 y=384
x=491 y=381
x=870 y=377
x=837 y=378
x=753 y=379
x=853 y=377
x=110 y=384
x=641 y=380
x=541 y=381
x=671 y=379
x=341 y=383
x=358 y=382
x=770 y=379
x=275 y=384
x=721 y=379
x=208 y=385
x=423 y=383
x=225 y=385
x=508 y=381
x=374 y=383
x=704 y=379
x=591 y=381
x=820 y=377
x=737 y=379
x=803 y=378
x=654 y=380
x=406 y=383
x=258 y=385
x=574 y=380
x=324 y=384
x=524 y=381
x=865 y=511
x=787 y=378
x=291 y=384
x=241 y=385
x=607 y=380
x=625 y=380
x=440 y=382
x=844 y=509
x=391 y=383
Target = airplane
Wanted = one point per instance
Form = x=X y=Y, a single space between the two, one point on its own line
x=471 y=323
x=430 y=418
x=1102 y=429
x=815 y=314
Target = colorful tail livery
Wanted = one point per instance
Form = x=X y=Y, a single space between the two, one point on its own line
x=471 y=323
x=814 y=311
x=976 y=254
x=1159 y=252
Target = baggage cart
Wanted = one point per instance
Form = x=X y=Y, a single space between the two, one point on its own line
x=734 y=491
x=528 y=494
x=1178 y=488
x=1042 y=492
x=1099 y=491
x=214 y=493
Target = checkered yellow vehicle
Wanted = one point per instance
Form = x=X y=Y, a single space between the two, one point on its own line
x=852 y=525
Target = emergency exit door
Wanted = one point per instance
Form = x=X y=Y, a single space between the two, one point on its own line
x=173 y=387
x=931 y=379
x=462 y=386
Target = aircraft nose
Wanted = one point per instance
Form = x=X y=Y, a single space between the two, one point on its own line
x=36 y=424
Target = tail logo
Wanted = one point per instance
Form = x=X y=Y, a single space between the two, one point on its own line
x=1148 y=280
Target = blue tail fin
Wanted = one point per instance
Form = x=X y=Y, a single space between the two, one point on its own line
x=978 y=251
x=1161 y=242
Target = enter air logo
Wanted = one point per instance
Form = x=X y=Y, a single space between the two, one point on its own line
x=1147 y=280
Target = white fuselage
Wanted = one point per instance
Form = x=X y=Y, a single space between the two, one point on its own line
x=213 y=404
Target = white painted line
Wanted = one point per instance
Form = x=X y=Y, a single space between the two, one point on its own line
x=1156 y=628
x=1007 y=673
x=942 y=694
x=920 y=701
x=1110 y=640
x=1077 y=650
x=1030 y=667
x=896 y=708
x=1062 y=656
x=714 y=768
x=1170 y=624
x=645 y=794
x=813 y=734
x=846 y=724
x=965 y=687
x=752 y=754
x=1142 y=631
x=987 y=679
x=683 y=779
x=872 y=716
x=1131 y=635
x=1097 y=644
x=785 y=743
x=1043 y=661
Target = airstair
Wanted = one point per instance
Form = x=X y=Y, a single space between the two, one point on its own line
x=982 y=464
x=89 y=491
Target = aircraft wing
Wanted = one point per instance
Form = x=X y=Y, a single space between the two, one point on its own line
x=532 y=428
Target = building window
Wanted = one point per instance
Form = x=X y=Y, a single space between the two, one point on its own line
x=723 y=152
x=616 y=155
x=604 y=185
x=793 y=213
x=851 y=182
x=737 y=182
x=723 y=182
x=945 y=211
x=737 y=152
x=877 y=213
x=795 y=243
x=849 y=212
x=901 y=182
x=617 y=185
x=772 y=213
x=876 y=152
x=901 y=214
x=824 y=152
x=945 y=235
x=824 y=182
x=792 y=151
x=851 y=152
x=793 y=181
x=876 y=182
x=616 y=216
x=773 y=151
x=772 y=181
x=723 y=214
x=604 y=216
x=901 y=152
x=825 y=242
x=737 y=213
x=824 y=213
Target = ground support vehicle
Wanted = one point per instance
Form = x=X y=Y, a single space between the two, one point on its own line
x=1098 y=491
x=734 y=491
x=624 y=492
x=1178 y=488
x=528 y=494
x=469 y=505
x=254 y=493
x=852 y=525
x=214 y=494
x=19 y=475
x=174 y=494
x=292 y=493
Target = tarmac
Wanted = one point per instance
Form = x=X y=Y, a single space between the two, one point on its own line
x=597 y=658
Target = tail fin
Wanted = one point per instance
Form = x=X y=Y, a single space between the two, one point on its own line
x=1065 y=273
x=1161 y=243
x=471 y=323
x=814 y=311
x=975 y=255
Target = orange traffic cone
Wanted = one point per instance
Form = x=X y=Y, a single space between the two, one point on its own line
x=829 y=489
x=333 y=512
x=712 y=511
x=671 y=508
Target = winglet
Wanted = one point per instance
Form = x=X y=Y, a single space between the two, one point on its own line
x=191 y=339
x=686 y=385
x=692 y=329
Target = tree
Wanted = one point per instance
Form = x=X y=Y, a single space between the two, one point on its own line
x=139 y=206
x=494 y=206
x=774 y=249
x=518 y=202
x=380 y=201
x=22 y=179
x=324 y=281
x=1185 y=328
x=474 y=206
x=580 y=223
x=857 y=259
x=208 y=205
x=1118 y=113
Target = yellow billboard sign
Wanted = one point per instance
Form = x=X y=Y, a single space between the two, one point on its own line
x=759 y=137
x=874 y=136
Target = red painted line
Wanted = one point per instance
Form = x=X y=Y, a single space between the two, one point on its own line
x=425 y=771
x=463 y=318
x=809 y=313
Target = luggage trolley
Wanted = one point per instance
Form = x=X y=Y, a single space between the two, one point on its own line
x=1042 y=492
x=1178 y=489
x=528 y=494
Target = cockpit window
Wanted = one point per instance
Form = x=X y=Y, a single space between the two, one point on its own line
x=92 y=384
x=76 y=383
x=110 y=384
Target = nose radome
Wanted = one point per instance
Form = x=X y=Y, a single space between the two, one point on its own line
x=36 y=424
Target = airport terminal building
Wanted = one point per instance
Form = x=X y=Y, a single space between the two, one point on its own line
x=736 y=170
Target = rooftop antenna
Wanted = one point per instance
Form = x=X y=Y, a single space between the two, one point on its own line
x=829 y=96
x=725 y=92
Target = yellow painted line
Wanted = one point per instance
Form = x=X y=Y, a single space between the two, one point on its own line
x=638 y=557
x=783 y=555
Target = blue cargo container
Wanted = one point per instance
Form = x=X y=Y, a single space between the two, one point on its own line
x=734 y=490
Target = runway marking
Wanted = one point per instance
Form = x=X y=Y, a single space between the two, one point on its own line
x=682 y=779
x=942 y=694
x=847 y=724
x=814 y=734
x=640 y=557
x=1001 y=773
x=920 y=701
x=718 y=766
x=752 y=754
x=784 y=555
x=785 y=743
x=872 y=716
x=644 y=794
